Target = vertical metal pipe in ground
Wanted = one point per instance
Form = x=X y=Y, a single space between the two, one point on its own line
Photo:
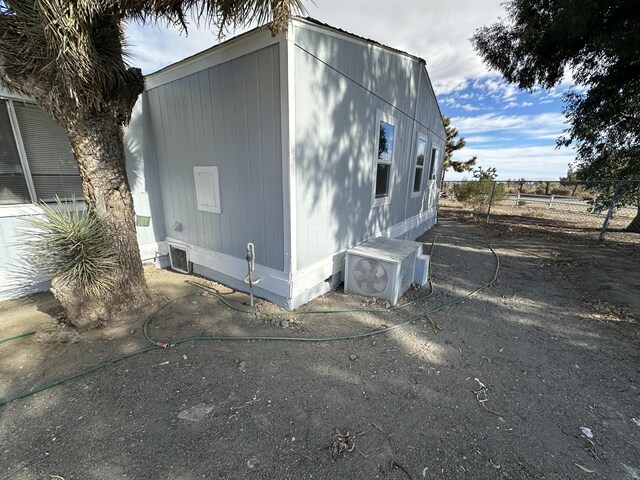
x=612 y=205
x=493 y=189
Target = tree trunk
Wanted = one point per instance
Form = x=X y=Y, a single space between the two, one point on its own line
x=97 y=142
x=634 y=226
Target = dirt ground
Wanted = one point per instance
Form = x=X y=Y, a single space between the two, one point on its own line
x=501 y=390
x=565 y=222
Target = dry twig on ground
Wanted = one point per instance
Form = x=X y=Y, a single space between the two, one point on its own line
x=343 y=442
x=482 y=398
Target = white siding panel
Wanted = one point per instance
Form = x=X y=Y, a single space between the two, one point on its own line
x=340 y=87
x=226 y=116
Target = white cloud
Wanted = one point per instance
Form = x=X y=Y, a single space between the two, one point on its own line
x=483 y=139
x=452 y=102
x=534 y=162
x=495 y=140
x=429 y=29
x=545 y=123
x=496 y=88
x=439 y=32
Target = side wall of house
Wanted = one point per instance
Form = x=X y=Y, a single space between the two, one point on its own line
x=142 y=173
x=16 y=277
x=228 y=116
x=342 y=86
x=219 y=108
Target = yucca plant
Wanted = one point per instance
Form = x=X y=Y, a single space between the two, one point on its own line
x=69 y=57
x=72 y=246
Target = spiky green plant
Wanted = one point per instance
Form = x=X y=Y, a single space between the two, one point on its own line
x=70 y=58
x=72 y=246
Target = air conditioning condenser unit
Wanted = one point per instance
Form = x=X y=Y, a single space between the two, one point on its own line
x=381 y=267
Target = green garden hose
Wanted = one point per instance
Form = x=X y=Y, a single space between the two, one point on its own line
x=22 y=335
x=81 y=373
x=218 y=295
x=155 y=344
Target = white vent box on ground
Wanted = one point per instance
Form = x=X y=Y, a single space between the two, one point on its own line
x=381 y=267
x=421 y=274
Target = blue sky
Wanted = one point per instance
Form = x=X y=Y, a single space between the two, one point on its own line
x=508 y=129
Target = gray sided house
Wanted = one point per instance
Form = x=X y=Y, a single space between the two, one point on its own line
x=305 y=144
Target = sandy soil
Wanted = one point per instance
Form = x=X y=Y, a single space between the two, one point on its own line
x=554 y=342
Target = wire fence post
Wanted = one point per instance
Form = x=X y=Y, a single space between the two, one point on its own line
x=493 y=189
x=614 y=199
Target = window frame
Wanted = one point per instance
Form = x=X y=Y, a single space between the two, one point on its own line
x=22 y=154
x=390 y=120
x=21 y=209
x=433 y=163
x=415 y=194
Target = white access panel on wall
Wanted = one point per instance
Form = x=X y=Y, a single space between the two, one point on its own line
x=207 y=189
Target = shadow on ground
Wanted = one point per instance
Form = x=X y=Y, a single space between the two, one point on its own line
x=268 y=410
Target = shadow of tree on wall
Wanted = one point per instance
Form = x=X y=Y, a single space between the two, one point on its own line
x=340 y=88
x=142 y=171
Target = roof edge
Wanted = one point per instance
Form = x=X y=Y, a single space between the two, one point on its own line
x=308 y=20
x=202 y=53
x=318 y=23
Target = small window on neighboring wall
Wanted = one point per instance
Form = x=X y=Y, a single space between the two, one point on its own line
x=421 y=152
x=385 y=130
x=435 y=153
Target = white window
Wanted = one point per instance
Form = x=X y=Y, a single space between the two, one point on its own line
x=385 y=146
x=207 y=189
x=433 y=164
x=418 y=166
x=36 y=161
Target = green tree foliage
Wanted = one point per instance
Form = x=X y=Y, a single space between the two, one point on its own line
x=69 y=57
x=488 y=175
x=453 y=145
x=477 y=193
x=570 y=178
x=598 y=41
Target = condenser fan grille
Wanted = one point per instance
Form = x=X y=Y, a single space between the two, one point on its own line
x=380 y=267
x=370 y=276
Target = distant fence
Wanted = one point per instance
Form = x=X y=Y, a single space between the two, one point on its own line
x=593 y=208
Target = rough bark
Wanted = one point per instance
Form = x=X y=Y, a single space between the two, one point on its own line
x=634 y=226
x=97 y=142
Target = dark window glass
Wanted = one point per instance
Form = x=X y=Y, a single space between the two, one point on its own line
x=382 y=180
x=417 y=180
x=13 y=186
x=420 y=153
x=432 y=168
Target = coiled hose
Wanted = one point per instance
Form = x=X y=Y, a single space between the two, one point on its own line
x=159 y=344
